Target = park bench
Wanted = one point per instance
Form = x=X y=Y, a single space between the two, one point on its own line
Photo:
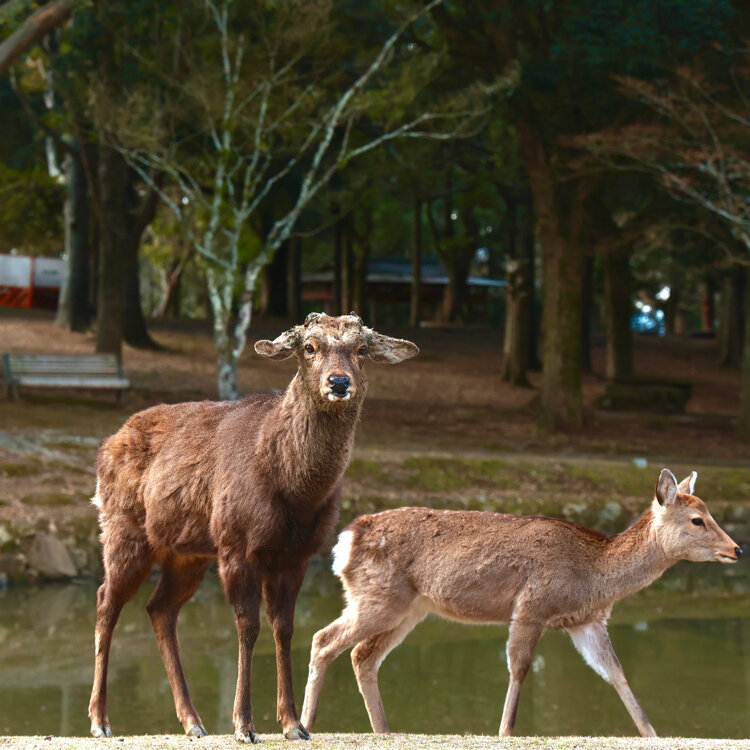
x=653 y=395
x=87 y=371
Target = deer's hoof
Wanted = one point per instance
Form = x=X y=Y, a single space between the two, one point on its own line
x=247 y=736
x=197 y=730
x=101 y=730
x=297 y=733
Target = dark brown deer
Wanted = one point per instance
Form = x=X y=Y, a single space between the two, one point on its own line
x=534 y=573
x=254 y=484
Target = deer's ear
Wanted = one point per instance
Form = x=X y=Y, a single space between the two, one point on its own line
x=282 y=347
x=666 y=488
x=388 y=350
x=687 y=485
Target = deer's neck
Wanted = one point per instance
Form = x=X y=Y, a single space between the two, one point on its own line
x=310 y=445
x=633 y=559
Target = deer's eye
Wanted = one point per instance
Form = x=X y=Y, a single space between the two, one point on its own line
x=362 y=351
x=697 y=521
x=309 y=348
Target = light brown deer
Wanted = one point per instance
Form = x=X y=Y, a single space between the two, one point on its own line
x=254 y=483
x=534 y=573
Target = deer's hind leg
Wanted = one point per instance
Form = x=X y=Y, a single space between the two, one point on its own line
x=367 y=657
x=522 y=639
x=127 y=558
x=180 y=578
x=592 y=642
x=357 y=623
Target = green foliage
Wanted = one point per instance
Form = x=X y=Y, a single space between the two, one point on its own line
x=30 y=211
x=636 y=36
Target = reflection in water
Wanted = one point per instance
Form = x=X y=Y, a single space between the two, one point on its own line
x=692 y=674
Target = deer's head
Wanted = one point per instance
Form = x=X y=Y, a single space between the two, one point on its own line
x=683 y=525
x=331 y=352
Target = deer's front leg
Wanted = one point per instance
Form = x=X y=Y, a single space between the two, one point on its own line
x=242 y=586
x=592 y=642
x=280 y=591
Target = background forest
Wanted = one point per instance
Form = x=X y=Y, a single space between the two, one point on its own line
x=210 y=159
x=549 y=197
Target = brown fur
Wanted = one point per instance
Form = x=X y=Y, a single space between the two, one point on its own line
x=254 y=483
x=533 y=573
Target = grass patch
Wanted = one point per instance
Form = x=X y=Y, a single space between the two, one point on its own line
x=11 y=546
x=85 y=526
x=10 y=469
x=725 y=484
x=73 y=446
x=615 y=480
x=365 y=471
x=52 y=499
x=443 y=474
x=65 y=467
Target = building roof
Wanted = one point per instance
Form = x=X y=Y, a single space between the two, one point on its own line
x=392 y=270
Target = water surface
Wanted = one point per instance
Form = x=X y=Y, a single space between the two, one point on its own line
x=685 y=648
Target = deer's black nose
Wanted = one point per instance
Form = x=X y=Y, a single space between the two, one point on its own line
x=339 y=384
x=738 y=552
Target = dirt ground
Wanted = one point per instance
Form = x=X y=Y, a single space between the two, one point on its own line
x=449 y=397
x=382 y=742
x=441 y=430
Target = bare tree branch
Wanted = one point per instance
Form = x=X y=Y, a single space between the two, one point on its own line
x=33 y=29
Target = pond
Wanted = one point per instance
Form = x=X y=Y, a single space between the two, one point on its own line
x=685 y=647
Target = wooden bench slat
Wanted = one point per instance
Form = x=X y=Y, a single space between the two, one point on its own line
x=59 y=368
x=98 y=371
x=63 y=366
x=30 y=355
x=105 y=361
x=62 y=382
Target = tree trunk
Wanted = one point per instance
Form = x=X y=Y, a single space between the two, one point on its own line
x=415 y=307
x=90 y=158
x=348 y=266
x=361 y=259
x=134 y=330
x=137 y=217
x=338 y=246
x=220 y=286
x=455 y=294
x=515 y=346
x=743 y=421
x=672 y=323
x=587 y=311
x=169 y=307
x=73 y=309
x=274 y=289
x=617 y=313
x=294 y=279
x=708 y=311
x=169 y=304
x=731 y=328
x=529 y=253
x=561 y=405
x=112 y=249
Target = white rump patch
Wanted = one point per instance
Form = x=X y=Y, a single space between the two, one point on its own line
x=342 y=551
x=96 y=500
x=585 y=639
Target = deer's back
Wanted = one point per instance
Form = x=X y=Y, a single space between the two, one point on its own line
x=163 y=468
x=477 y=566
